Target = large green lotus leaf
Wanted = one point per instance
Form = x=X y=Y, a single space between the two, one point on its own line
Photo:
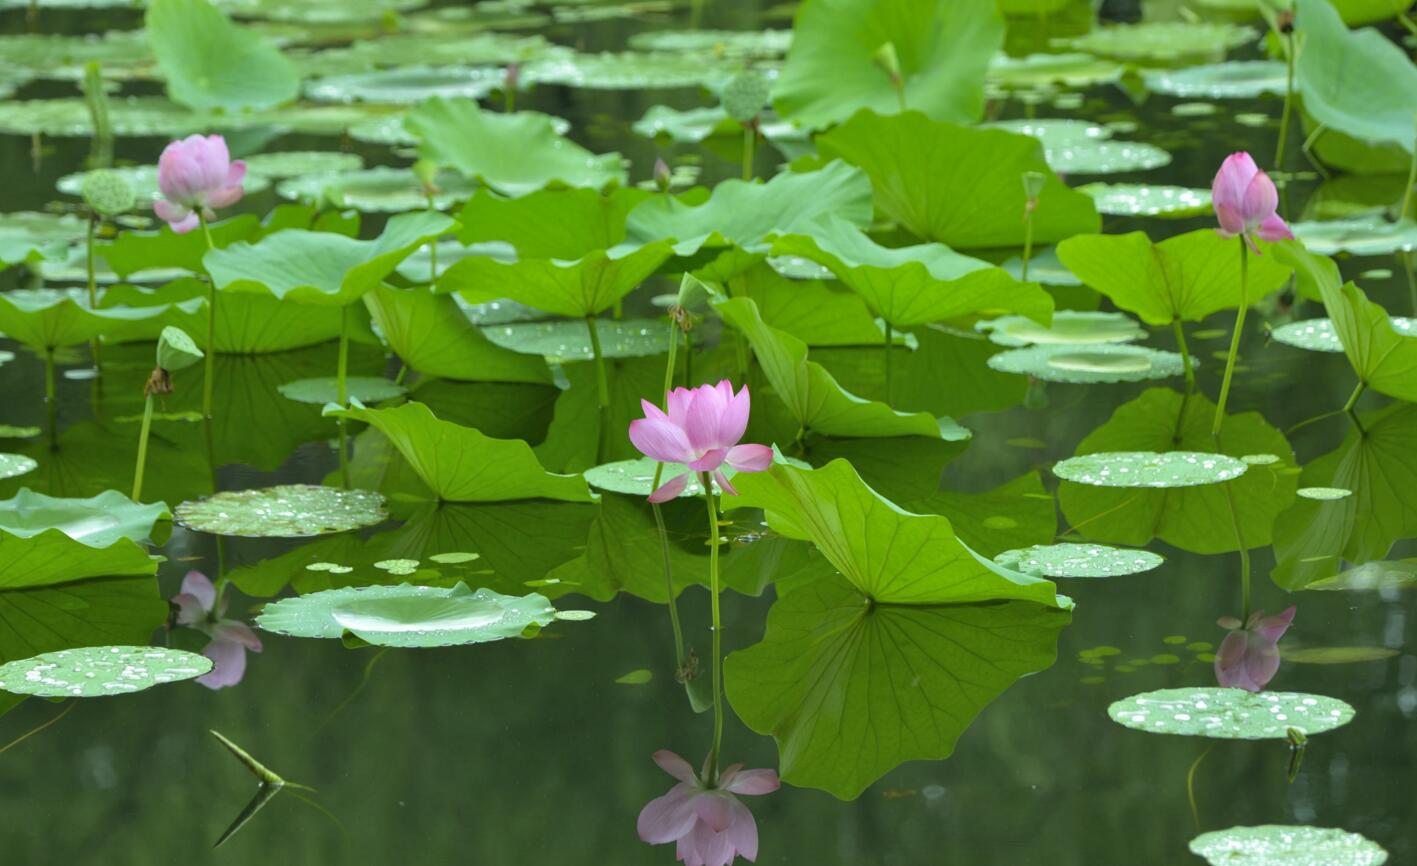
x=1089 y=365
x=1191 y=518
x=746 y=213
x=460 y=464
x=512 y=153
x=32 y=237
x=579 y=288
x=1037 y=71
x=958 y=185
x=315 y=267
x=1313 y=539
x=377 y=190
x=52 y=318
x=210 y=63
x=44 y=540
x=1153 y=200
x=813 y=311
x=943 y=49
x=1278 y=845
x=1360 y=82
x=813 y=398
x=888 y=554
x=430 y=334
x=133 y=251
x=852 y=688
x=551 y=223
x=1233 y=79
x=1384 y=358
x=100 y=671
x=1188 y=276
x=257 y=324
x=117 y=610
x=1018 y=513
x=406 y=85
x=915 y=285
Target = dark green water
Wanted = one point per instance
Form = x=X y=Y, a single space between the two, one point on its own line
x=529 y=752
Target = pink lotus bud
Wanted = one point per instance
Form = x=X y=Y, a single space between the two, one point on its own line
x=1246 y=202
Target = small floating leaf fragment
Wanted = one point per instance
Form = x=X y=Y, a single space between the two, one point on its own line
x=1230 y=714
x=1174 y=639
x=1149 y=469
x=396 y=564
x=8 y=431
x=454 y=558
x=635 y=677
x=575 y=615
x=1260 y=459
x=1323 y=493
x=14 y=465
x=1278 y=845
x=1336 y=655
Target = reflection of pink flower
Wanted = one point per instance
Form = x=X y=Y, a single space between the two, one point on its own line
x=702 y=430
x=1246 y=202
x=1249 y=657
x=708 y=824
x=196 y=175
x=230 y=639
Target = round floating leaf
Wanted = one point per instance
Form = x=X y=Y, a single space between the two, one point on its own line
x=636 y=477
x=1078 y=560
x=1361 y=236
x=100 y=671
x=408 y=616
x=1056 y=132
x=1104 y=157
x=1230 y=714
x=15 y=465
x=1337 y=655
x=1236 y=79
x=1318 y=335
x=1104 y=362
x=1278 y=845
x=627 y=70
x=1069 y=328
x=569 y=340
x=325 y=389
x=1323 y=493
x=377 y=190
x=407 y=86
x=1042 y=70
x=286 y=511
x=1149 y=469
x=1161 y=40
x=1140 y=199
x=293 y=163
x=718 y=43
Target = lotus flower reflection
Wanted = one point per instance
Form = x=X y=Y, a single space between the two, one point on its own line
x=230 y=639
x=196 y=176
x=707 y=823
x=1248 y=658
x=701 y=429
x=1246 y=202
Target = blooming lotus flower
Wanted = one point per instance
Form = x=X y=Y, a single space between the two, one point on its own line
x=707 y=822
x=1245 y=201
x=196 y=175
x=1249 y=657
x=701 y=430
x=230 y=639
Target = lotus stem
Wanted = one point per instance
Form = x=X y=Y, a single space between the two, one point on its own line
x=1244 y=552
x=659 y=515
x=1411 y=182
x=93 y=286
x=208 y=366
x=141 y=465
x=890 y=338
x=1191 y=785
x=342 y=394
x=707 y=481
x=37 y=728
x=1185 y=354
x=1234 y=340
x=50 y=397
x=1411 y=279
x=1288 y=102
x=750 y=136
x=1027 y=242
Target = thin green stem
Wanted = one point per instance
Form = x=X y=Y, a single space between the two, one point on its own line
x=750 y=138
x=342 y=394
x=890 y=338
x=1027 y=243
x=1244 y=552
x=1234 y=340
x=1411 y=279
x=51 y=398
x=141 y=465
x=1288 y=102
x=1185 y=354
x=32 y=731
x=659 y=516
x=208 y=367
x=707 y=481
x=1191 y=785
x=1353 y=398
x=1411 y=182
x=93 y=286
x=602 y=385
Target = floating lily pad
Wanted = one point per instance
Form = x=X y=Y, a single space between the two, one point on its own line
x=1149 y=469
x=1105 y=157
x=122 y=54
x=1161 y=40
x=1278 y=845
x=454 y=558
x=1042 y=70
x=325 y=389
x=377 y=190
x=9 y=431
x=27 y=236
x=100 y=671
x=1337 y=655
x=1230 y=714
x=1055 y=131
x=715 y=43
x=15 y=465
x=293 y=163
x=286 y=511
x=569 y=340
x=1078 y=560
x=407 y=85
x=1043 y=267
x=1069 y=328
x=1101 y=363
x=1235 y=79
x=1142 y=199
x=408 y=616
x=636 y=477
x=627 y=70
x=1323 y=493
x=1361 y=236
x=143 y=181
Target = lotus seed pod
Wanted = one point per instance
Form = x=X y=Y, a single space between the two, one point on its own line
x=108 y=193
x=745 y=96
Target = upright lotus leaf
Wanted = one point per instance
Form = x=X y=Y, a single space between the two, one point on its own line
x=578 y=288
x=430 y=334
x=811 y=395
x=460 y=464
x=48 y=319
x=1194 y=518
x=958 y=185
x=252 y=324
x=1360 y=82
x=322 y=268
x=1384 y=358
x=1188 y=276
x=941 y=49
x=745 y=213
x=212 y=64
x=550 y=223
x=32 y=237
x=45 y=540
x=512 y=153
x=1017 y=513
x=133 y=251
x=915 y=285
x=1315 y=538
x=814 y=311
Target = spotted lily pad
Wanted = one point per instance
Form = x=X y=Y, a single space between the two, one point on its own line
x=1278 y=845
x=1230 y=714
x=1325 y=494
x=409 y=616
x=1042 y=70
x=1078 y=560
x=1055 y=132
x=1069 y=328
x=15 y=465
x=1104 y=157
x=1142 y=199
x=1149 y=469
x=1318 y=335
x=286 y=511
x=293 y=163
x=1361 y=236
x=716 y=43
x=569 y=340
x=407 y=85
x=100 y=671
x=1163 y=41
x=325 y=389
x=1235 y=79
x=636 y=477
x=377 y=190
x=1100 y=363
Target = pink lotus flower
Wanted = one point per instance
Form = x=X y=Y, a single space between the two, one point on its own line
x=1249 y=657
x=196 y=175
x=230 y=639
x=701 y=430
x=708 y=823
x=1245 y=201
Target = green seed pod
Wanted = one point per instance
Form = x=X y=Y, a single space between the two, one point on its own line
x=745 y=96
x=107 y=193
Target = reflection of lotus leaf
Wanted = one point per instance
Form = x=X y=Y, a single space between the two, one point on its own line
x=1278 y=845
x=1078 y=560
x=1149 y=469
x=100 y=671
x=1230 y=714
x=286 y=511
x=325 y=389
